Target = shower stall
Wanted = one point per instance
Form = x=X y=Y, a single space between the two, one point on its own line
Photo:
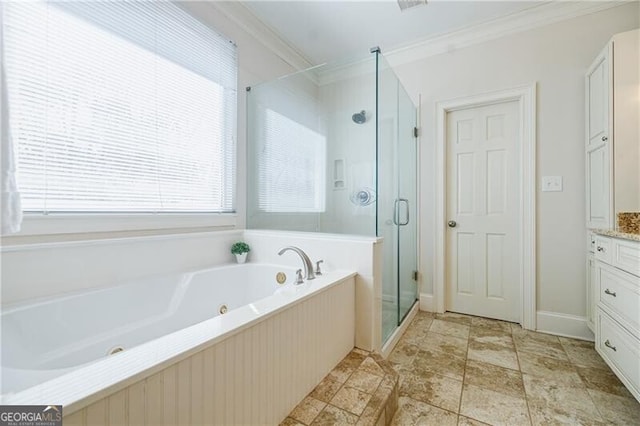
x=333 y=149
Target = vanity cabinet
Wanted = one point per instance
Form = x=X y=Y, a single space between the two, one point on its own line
x=612 y=151
x=617 y=313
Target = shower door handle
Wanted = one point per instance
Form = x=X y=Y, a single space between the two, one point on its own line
x=396 y=212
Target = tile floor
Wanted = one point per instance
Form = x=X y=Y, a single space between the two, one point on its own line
x=361 y=390
x=463 y=370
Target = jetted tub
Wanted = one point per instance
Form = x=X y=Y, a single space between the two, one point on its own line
x=50 y=338
x=47 y=339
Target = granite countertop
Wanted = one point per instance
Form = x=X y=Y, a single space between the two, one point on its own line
x=617 y=234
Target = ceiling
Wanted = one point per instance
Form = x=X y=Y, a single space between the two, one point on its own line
x=324 y=31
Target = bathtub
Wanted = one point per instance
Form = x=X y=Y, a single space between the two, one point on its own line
x=79 y=349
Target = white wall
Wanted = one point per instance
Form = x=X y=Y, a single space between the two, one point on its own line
x=556 y=57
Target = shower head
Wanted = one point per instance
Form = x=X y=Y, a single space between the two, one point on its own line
x=359 y=117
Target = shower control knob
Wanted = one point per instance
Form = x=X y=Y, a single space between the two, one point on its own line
x=452 y=224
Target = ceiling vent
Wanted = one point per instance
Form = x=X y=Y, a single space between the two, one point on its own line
x=408 y=4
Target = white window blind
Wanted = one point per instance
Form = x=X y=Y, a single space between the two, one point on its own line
x=120 y=107
x=291 y=167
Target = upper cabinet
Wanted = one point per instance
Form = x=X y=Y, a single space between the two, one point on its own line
x=612 y=89
x=598 y=90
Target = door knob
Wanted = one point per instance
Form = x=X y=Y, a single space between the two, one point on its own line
x=452 y=224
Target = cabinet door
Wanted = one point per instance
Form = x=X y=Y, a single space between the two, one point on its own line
x=598 y=91
x=599 y=203
x=591 y=291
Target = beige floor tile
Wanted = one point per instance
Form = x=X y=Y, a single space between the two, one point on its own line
x=341 y=372
x=434 y=389
x=604 y=380
x=403 y=353
x=466 y=421
x=416 y=413
x=425 y=314
x=530 y=343
x=370 y=417
x=551 y=368
x=326 y=389
x=291 y=422
x=491 y=335
x=448 y=344
x=492 y=353
x=417 y=331
x=332 y=416
x=518 y=331
x=307 y=410
x=585 y=356
x=548 y=416
x=370 y=366
x=492 y=377
x=491 y=324
x=449 y=328
x=354 y=359
x=453 y=317
x=616 y=409
x=364 y=381
x=422 y=320
x=565 y=341
x=351 y=400
x=438 y=362
x=569 y=399
x=361 y=351
x=493 y=407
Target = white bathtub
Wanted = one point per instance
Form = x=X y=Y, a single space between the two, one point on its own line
x=57 y=350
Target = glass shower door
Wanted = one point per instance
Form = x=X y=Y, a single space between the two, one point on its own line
x=407 y=229
x=397 y=197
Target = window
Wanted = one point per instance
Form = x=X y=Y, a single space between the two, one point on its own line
x=119 y=107
x=291 y=167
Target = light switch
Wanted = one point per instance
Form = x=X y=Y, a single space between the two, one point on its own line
x=551 y=183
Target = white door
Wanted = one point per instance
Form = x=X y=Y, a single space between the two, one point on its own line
x=483 y=213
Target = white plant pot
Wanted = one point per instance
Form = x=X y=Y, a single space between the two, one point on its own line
x=241 y=258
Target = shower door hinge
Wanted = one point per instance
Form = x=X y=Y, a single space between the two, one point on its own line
x=415 y=132
x=414 y=275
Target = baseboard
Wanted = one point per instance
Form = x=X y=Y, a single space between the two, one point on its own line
x=427 y=302
x=564 y=325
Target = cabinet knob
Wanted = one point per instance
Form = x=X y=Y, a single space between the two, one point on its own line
x=601 y=249
x=604 y=139
x=452 y=224
x=609 y=345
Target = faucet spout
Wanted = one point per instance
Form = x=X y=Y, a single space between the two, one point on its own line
x=308 y=266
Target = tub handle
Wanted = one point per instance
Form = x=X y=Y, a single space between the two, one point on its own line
x=318 y=271
x=299 y=277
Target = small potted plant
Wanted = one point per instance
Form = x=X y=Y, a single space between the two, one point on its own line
x=240 y=249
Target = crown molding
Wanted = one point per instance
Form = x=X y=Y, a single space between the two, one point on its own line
x=249 y=22
x=535 y=17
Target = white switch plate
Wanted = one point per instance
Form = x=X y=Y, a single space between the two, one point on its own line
x=551 y=183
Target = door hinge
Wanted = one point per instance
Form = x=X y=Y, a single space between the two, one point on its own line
x=414 y=275
x=415 y=132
